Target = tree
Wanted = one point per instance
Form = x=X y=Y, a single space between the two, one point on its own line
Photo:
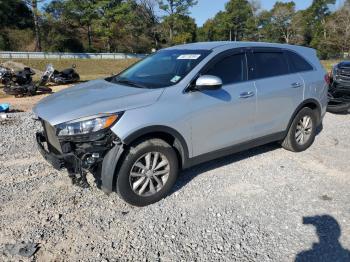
x=282 y=15
x=33 y=4
x=185 y=29
x=238 y=12
x=207 y=31
x=174 y=9
x=317 y=15
x=338 y=31
x=15 y=27
x=147 y=11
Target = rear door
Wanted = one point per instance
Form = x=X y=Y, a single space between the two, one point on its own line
x=279 y=90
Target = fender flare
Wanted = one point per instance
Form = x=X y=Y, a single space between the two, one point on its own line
x=179 y=141
x=112 y=158
x=109 y=166
x=302 y=105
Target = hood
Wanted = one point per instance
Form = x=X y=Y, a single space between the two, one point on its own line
x=92 y=98
x=344 y=64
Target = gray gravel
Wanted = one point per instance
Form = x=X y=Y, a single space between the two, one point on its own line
x=246 y=207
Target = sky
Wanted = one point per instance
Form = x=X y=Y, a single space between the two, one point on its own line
x=208 y=8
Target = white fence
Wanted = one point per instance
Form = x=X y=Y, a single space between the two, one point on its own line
x=44 y=55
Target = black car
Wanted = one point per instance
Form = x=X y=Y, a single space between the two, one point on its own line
x=339 y=88
x=341 y=75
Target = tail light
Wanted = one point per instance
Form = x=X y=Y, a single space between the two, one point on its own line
x=327 y=78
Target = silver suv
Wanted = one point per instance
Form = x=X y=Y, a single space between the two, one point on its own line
x=179 y=107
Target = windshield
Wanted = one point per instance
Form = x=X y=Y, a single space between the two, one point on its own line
x=162 y=69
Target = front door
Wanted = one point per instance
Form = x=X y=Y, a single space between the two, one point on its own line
x=225 y=117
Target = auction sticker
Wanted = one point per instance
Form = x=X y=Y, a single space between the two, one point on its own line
x=189 y=57
x=175 y=79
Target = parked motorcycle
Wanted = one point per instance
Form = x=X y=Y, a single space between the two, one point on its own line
x=66 y=76
x=6 y=75
x=21 y=84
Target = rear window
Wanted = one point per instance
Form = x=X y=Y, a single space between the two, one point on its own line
x=297 y=63
x=269 y=64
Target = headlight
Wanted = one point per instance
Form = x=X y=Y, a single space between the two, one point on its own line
x=87 y=125
x=335 y=72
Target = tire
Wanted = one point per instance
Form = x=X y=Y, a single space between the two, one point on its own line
x=134 y=162
x=76 y=77
x=291 y=142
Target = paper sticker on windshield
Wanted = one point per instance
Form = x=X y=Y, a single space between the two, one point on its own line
x=189 y=57
x=175 y=79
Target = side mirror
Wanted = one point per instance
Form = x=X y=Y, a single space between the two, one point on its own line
x=208 y=82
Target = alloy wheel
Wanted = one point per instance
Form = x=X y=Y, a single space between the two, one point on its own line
x=303 y=130
x=149 y=174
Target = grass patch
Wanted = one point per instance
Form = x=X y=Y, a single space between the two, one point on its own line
x=329 y=63
x=88 y=69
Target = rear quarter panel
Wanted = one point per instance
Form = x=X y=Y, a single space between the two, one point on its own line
x=315 y=84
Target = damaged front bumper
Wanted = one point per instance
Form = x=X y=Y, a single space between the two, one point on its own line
x=97 y=153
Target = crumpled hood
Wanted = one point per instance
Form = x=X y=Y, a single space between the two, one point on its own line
x=92 y=98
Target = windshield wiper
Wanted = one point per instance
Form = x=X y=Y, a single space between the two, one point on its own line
x=128 y=82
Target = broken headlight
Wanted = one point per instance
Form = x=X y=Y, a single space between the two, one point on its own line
x=87 y=125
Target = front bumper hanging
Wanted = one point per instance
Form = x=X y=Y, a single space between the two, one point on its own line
x=75 y=156
x=58 y=161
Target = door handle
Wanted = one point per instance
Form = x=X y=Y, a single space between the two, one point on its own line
x=296 y=85
x=246 y=94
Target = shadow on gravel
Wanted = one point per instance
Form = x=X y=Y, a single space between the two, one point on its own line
x=328 y=248
x=187 y=175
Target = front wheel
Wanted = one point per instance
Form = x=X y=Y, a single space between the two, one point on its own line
x=148 y=172
x=302 y=131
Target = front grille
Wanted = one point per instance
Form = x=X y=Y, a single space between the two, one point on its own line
x=344 y=74
x=51 y=137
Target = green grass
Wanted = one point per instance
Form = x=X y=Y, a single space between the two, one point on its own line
x=329 y=63
x=88 y=69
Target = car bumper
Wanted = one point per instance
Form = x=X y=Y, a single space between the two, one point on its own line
x=57 y=161
x=75 y=165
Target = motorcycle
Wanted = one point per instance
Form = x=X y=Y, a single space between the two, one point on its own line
x=66 y=76
x=21 y=84
x=6 y=75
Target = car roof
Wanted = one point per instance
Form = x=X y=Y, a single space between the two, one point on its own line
x=230 y=44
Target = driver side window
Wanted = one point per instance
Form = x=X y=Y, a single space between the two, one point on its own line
x=230 y=69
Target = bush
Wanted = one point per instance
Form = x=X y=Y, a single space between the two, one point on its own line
x=19 y=39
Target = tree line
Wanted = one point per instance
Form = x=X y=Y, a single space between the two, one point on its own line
x=137 y=25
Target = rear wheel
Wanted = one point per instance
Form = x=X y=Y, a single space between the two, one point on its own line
x=148 y=172
x=302 y=131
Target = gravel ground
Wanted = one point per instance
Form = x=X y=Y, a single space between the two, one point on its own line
x=266 y=204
